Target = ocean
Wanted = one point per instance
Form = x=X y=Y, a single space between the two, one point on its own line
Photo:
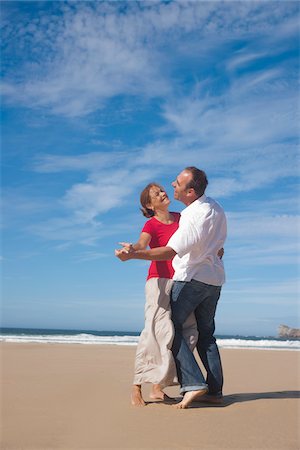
x=88 y=337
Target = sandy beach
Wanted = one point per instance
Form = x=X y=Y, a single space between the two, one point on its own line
x=77 y=397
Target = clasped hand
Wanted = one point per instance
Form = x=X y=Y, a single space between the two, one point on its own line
x=124 y=253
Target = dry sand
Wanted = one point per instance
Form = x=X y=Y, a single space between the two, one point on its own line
x=77 y=397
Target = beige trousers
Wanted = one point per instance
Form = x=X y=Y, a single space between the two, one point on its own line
x=154 y=361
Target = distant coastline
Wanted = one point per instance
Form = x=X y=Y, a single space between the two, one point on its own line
x=286 y=332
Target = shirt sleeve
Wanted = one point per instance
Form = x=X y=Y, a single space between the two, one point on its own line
x=148 y=227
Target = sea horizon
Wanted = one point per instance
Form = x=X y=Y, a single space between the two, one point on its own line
x=119 y=337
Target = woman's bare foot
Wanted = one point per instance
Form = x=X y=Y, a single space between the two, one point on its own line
x=189 y=397
x=158 y=394
x=136 y=396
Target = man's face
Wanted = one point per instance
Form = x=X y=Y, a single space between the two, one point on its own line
x=179 y=185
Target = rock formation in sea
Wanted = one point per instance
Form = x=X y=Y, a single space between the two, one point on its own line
x=286 y=332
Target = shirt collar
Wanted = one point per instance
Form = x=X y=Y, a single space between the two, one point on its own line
x=193 y=205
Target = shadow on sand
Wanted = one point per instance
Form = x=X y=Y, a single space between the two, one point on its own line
x=248 y=397
x=237 y=398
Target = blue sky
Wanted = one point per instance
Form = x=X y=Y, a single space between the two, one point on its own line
x=100 y=98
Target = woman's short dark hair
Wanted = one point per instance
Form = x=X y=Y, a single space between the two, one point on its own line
x=199 y=181
x=145 y=199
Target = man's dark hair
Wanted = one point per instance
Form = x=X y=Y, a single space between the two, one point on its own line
x=199 y=181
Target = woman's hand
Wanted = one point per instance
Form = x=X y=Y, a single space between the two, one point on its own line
x=123 y=254
x=127 y=247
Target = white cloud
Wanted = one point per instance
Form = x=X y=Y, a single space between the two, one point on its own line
x=261 y=225
x=107 y=187
x=73 y=229
x=103 y=191
x=239 y=117
x=262 y=239
x=93 y=57
x=242 y=134
x=67 y=229
x=91 y=256
x=256 y=253
x=86 y=162
x=242 y=58
x=92 y=52
x=276 y=293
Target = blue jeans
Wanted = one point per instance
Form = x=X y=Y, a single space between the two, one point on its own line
x=200 y=298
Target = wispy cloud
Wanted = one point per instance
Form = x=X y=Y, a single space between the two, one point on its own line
x=275 y=293
x=87 y=162
x=91 y=256
x=67 y=229
x=95 y=51
x=242 y=58
x=263 y=239
x=108 y=96
x=262 y=225
x=243 y=131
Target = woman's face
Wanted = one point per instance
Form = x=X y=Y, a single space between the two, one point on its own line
x=158 y=198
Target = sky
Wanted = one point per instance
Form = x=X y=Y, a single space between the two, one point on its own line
x=101 y=98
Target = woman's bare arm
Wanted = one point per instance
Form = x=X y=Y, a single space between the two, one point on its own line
x=141 y=244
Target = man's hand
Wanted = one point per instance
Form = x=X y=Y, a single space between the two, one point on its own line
x=127 y=246
x=123 y=254
x=154 y=254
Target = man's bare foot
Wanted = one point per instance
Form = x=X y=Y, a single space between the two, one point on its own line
x=158 y=394
x=136 y=396
x=189 y=397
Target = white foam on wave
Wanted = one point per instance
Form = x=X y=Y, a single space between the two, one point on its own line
x=90 y=339
x=261 y=344
x=70 y=339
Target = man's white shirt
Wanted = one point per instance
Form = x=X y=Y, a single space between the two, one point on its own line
x=201 y=234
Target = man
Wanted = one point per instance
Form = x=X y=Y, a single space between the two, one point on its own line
x=199 y=275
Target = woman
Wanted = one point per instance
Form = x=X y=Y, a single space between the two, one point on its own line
x=154 y=361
